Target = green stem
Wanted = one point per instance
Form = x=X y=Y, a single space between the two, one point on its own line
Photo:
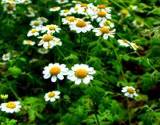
x=60 y=52
x=14 y=93
x=129 y=112
x=97 y=119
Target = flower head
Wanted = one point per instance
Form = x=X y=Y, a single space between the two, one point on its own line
x=129 y=91
x=52 y=96
x=81 y=73
x=55 y=71
x=10 y=107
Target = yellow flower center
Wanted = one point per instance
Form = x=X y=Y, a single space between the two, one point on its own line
x=66 y=11
x=101 y=6
x=36 y=23
x=83 y=5
x=70 y=18
x=81 y=23
x=11 y=105
x=130 y=90
x=51 y=27
x=102 y=13
x=10 y=6
x=81 y=73
x=47 y=37
x=51 y=94
x=33 y=30
x=55 y=70
x=104 y=29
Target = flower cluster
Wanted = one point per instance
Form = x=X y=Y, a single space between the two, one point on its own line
x=44 y=33
x=91 y=13
x=10 y=5
x=79 y=73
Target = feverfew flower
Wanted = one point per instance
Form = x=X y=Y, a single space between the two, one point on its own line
x=129 y=91
x=101 y=15
x=68 y=20
x=48 y=41
x=81 y=73
x=37 y=24
x=33 y=32
x=52 y=96
x=104 y=31
x=9 y=7
x=51 y=29
x=106 y=23
x=123 y=42
x=54 y=9
x=6 y=57
x=65 y=12
x=62 y=1
x=55 y=71
x=28 y=42
x=10 y=107
x=81 y=26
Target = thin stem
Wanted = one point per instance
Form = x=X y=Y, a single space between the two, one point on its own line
x=14 y=93
x=60 y=52
x=129 y=112
x=97 y=119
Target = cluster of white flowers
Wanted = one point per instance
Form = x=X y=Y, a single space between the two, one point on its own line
x=10 y=5
x=100 y=13
x=79 y=73
x=43 y=32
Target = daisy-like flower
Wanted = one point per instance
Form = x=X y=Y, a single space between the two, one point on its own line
x=54 y=9
x=42 y=19
x=6 y=57
x=62 y=1
x=33 y=32
x=52 y=96
x=79 y=8
x=9 y=8
x=106 y=23
x=28 y=42
x=103 y=7
x=101 y=15
x=68 y=20
x=55 y=71
x=81 y=73
x=81 y=26
x=10 y=107
x=104 y=31
x=129 y=91
x=48 y=41
x=51 y=29
x=65 y=12
x=37 y=24
x=123 y=42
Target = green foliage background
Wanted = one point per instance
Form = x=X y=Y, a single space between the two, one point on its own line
x=100 y=102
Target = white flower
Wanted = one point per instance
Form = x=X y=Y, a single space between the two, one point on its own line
x=65 y=12
x=79 y=8
x=54 y=9
x=42 y=19
x=48 y=41
x=51 y=29
x=81 y=73
x=68 y=20
x=37 y=24
x=124 y=43
x=104 y=31
x=6 y=57
x=33 y=32
x=10 y=107
x=101 y=15
x=81 y=26
x=9 y=7
x=52 y=96
x=106 y=23
x=55 y=71
x=28 y=42
x=62 y=1
x=129 y=91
